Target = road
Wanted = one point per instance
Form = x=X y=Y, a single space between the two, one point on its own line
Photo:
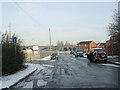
x=71 y=72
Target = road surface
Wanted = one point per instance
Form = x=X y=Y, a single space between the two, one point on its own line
x=71 y=72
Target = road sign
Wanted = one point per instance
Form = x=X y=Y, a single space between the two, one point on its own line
x=35 y=48
x=14 y=39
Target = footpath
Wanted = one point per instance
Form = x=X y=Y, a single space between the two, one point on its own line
x=10 y=80
x=114 y=60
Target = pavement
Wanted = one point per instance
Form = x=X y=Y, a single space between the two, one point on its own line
x=114 y=60
x=11 y=80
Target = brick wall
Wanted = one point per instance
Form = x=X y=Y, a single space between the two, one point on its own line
x=92 y=45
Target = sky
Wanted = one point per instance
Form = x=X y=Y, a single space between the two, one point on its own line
x=68 y=21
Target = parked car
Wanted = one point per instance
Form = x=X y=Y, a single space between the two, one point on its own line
x=79 y=53
x=97 y=55
x=54 y=56
x=72 y=52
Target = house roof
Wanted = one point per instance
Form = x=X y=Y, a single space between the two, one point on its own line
x=101 y=44
x=85 y=42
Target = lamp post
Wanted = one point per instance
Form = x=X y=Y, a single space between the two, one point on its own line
x=112 y=45
x=50 y=40
x=14 y=40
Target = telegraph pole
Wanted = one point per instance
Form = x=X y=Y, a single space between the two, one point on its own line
x=50 y=40
x=112 y=46
x=9 y=32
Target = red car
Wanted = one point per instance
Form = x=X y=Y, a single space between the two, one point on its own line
x=97 y=55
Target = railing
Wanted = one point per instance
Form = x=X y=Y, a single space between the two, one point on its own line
x=42 y=54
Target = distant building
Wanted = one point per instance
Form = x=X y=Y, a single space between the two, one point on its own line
x=86 y=46
x=107 y=46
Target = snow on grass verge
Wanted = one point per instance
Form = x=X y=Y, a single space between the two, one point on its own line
x=112 y=65
x=46 y=58
x=112 y=56
x=8 y=81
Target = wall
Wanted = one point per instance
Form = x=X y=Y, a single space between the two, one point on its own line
x=92 y=45
x=84 y=47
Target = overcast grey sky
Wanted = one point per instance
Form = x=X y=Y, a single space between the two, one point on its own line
x=68 y=21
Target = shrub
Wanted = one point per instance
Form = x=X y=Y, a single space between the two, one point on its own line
x=12 y=55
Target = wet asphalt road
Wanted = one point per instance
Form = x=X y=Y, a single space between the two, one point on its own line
x=71 y=72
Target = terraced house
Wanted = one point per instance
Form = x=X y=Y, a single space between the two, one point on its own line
x=86 y=46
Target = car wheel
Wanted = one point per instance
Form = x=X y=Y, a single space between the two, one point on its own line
x=105 y=61
x=90 y=60
x=96 y=61
x=93 y=59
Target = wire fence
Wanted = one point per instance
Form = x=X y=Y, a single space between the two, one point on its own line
x=38 y=55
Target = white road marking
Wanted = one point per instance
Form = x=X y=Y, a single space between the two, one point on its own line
x=110 y=65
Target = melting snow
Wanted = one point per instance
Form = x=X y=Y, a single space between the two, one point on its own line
x=41 y=83
x=46 y=58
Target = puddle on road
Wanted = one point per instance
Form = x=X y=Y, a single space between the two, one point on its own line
x=41 y=83
x=37 y=79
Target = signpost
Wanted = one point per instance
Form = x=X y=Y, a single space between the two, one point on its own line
x=14 y=40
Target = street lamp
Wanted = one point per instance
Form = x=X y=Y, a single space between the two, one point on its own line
x=50 y=40
x=112 y=45
x=111 y=39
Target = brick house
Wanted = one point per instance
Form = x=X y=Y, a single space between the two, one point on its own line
x=101 y=45
x=107 y=49
x=86 y=46
x=111 y=46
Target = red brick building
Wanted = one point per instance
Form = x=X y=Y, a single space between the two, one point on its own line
x=101 y=45
x=107 y=45
x=86 y=46
x=111 y=46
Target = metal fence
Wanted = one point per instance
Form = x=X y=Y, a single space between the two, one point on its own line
x=42 y=54
x=39 y=55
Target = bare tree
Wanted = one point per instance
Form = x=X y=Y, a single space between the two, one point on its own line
x=114 y=30
x=62 y=45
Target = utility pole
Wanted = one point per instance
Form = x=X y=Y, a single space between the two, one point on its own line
x=9 y=32
x=112 y=46
x=50 y=40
